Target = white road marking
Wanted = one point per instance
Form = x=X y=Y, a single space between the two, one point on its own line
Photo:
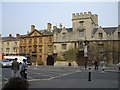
x=39 y=73
x=49 y=77
x=64 y=74
x=29 y=77
x=4 y=77
x=55 y=76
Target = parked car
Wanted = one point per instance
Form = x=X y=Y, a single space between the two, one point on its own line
x=118 y=65
x=5 y=63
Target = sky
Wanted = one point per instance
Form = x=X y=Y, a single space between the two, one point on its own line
x=17 y=17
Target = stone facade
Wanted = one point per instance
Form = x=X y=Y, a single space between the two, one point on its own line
x=85 y=28
x=10 y=45
x=37 y=45
x=82 y=26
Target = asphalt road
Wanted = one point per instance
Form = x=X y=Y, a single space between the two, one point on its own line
x=65 y=77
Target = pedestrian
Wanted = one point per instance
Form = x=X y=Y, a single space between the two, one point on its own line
x=23 y=71
x=16 y=83
x=15 y=68
x=96 y=65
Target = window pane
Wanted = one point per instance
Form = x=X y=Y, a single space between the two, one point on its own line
x=100 y=35
x=64 y=46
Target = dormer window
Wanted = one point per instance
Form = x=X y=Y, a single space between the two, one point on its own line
x=64 y=35
x=100 y=35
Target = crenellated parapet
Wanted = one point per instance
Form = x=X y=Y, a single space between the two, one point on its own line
x=83 y=15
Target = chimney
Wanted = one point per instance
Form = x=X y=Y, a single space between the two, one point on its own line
x=54 y=27
x=49 y=25
x=32 y=28
x=60 y=26
x=10 y=35
x=17 y=35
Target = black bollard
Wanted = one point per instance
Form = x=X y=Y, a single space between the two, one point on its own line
x=103 y=70
x=89 y=75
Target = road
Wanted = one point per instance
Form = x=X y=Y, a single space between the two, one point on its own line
x=66 y=77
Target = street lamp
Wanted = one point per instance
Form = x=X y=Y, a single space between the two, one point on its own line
x=85 y=46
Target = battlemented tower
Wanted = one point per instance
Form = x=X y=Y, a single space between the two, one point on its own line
x=84 y=22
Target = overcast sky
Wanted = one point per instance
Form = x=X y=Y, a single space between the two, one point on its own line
x=17 y=17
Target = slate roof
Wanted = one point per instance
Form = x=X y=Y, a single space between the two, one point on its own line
x=9 y=38
x=59 y=30
x=69 y=29
x=110 y=30
x=94 y=31
x=46 y=32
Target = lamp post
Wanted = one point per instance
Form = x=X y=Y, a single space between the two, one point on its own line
x=85 y=45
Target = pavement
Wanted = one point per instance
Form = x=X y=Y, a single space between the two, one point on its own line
x=68 y=77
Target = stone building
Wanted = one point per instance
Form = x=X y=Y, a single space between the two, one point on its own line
x=82 y=26
x=10 y=45
x=105 y=45
x=37 y=45
x=85 y=29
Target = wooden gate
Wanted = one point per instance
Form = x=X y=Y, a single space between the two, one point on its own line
x=80 y=58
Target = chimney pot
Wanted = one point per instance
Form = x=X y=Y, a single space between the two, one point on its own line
x=10 y=35
x=17 y=35
x=49 y=25
x=32 y=28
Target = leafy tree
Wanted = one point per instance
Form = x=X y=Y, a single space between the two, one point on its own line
x=70 y=55
x=58 y=58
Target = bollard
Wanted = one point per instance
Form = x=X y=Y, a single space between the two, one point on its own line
x=89 y=75
x=103 y=70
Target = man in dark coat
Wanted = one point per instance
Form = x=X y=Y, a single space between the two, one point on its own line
x=15 y=68
x=96 y=65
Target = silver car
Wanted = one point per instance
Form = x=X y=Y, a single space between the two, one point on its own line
x=5 y=63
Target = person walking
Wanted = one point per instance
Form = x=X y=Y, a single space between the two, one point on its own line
x=15 y=68
x=23 y=71
x=96 y=65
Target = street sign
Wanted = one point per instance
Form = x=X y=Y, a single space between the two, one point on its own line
x=85 y=51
